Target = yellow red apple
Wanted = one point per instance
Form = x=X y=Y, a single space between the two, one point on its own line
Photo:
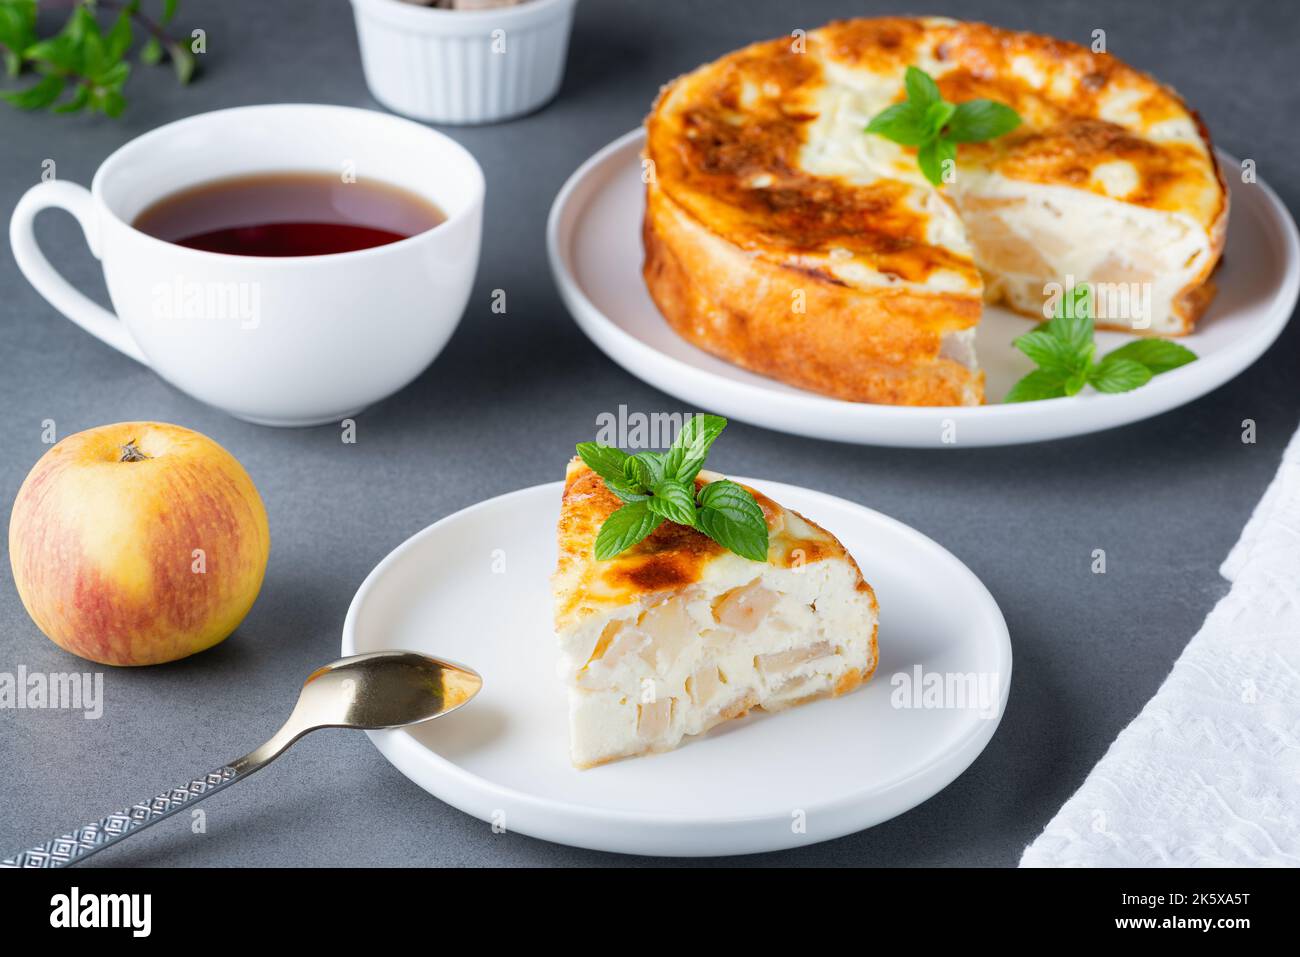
x=138 y=543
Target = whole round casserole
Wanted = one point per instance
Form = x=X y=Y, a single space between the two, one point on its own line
x=782 y=237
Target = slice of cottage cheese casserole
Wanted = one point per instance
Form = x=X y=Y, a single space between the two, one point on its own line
x=678 y=634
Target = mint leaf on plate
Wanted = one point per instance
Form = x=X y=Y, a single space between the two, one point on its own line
x=1158 y=355
x=1063 y=348
x=1118 y=375
x=1039 y=384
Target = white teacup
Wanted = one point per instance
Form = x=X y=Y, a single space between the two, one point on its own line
x=297 y=340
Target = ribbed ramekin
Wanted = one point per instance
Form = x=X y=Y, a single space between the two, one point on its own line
x=463 y=66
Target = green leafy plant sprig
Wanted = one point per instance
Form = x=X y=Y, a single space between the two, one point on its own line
x=656 y=487
x=1063 y=349
x=929 y=122
x=81 y=67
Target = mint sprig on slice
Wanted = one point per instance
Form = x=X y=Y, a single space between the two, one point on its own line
x=1063 y=349
x=935 y=126
x=658 y=487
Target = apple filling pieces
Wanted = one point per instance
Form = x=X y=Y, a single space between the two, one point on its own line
x=677 y=634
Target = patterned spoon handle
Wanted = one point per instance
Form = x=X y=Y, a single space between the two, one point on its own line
x=77 y=845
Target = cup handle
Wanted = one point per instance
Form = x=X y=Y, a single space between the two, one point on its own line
x=82 y=310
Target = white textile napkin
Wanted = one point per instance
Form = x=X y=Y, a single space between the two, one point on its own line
x=1209 y=773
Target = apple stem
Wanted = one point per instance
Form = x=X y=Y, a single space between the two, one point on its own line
x=130 y=453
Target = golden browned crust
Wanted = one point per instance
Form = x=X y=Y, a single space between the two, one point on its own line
x=738 y=235
x=802 y=327
x=671 y=557
x=1064 y=94
x=706 y=151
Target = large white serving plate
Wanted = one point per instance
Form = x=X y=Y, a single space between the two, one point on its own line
x=474 y=587
x=594 y=240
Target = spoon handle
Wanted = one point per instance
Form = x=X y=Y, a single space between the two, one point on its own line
x=77 y=845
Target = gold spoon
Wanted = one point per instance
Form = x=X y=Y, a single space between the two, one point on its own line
x=385 y=689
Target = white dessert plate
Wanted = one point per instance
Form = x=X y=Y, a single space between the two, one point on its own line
x=594 y=240
x=475 y=588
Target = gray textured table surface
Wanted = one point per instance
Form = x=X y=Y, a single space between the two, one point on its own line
x=1165 y=498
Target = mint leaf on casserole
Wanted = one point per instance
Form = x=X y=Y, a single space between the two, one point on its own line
x=691 y=447
x=1063 y=349
x=935 y=126
x=731 y=517
x=627 y=526
x=658 y=487
x=978 y=120
x=603 y=460
x=674 y=501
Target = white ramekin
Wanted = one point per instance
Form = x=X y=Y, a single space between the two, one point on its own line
x=463 y=66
